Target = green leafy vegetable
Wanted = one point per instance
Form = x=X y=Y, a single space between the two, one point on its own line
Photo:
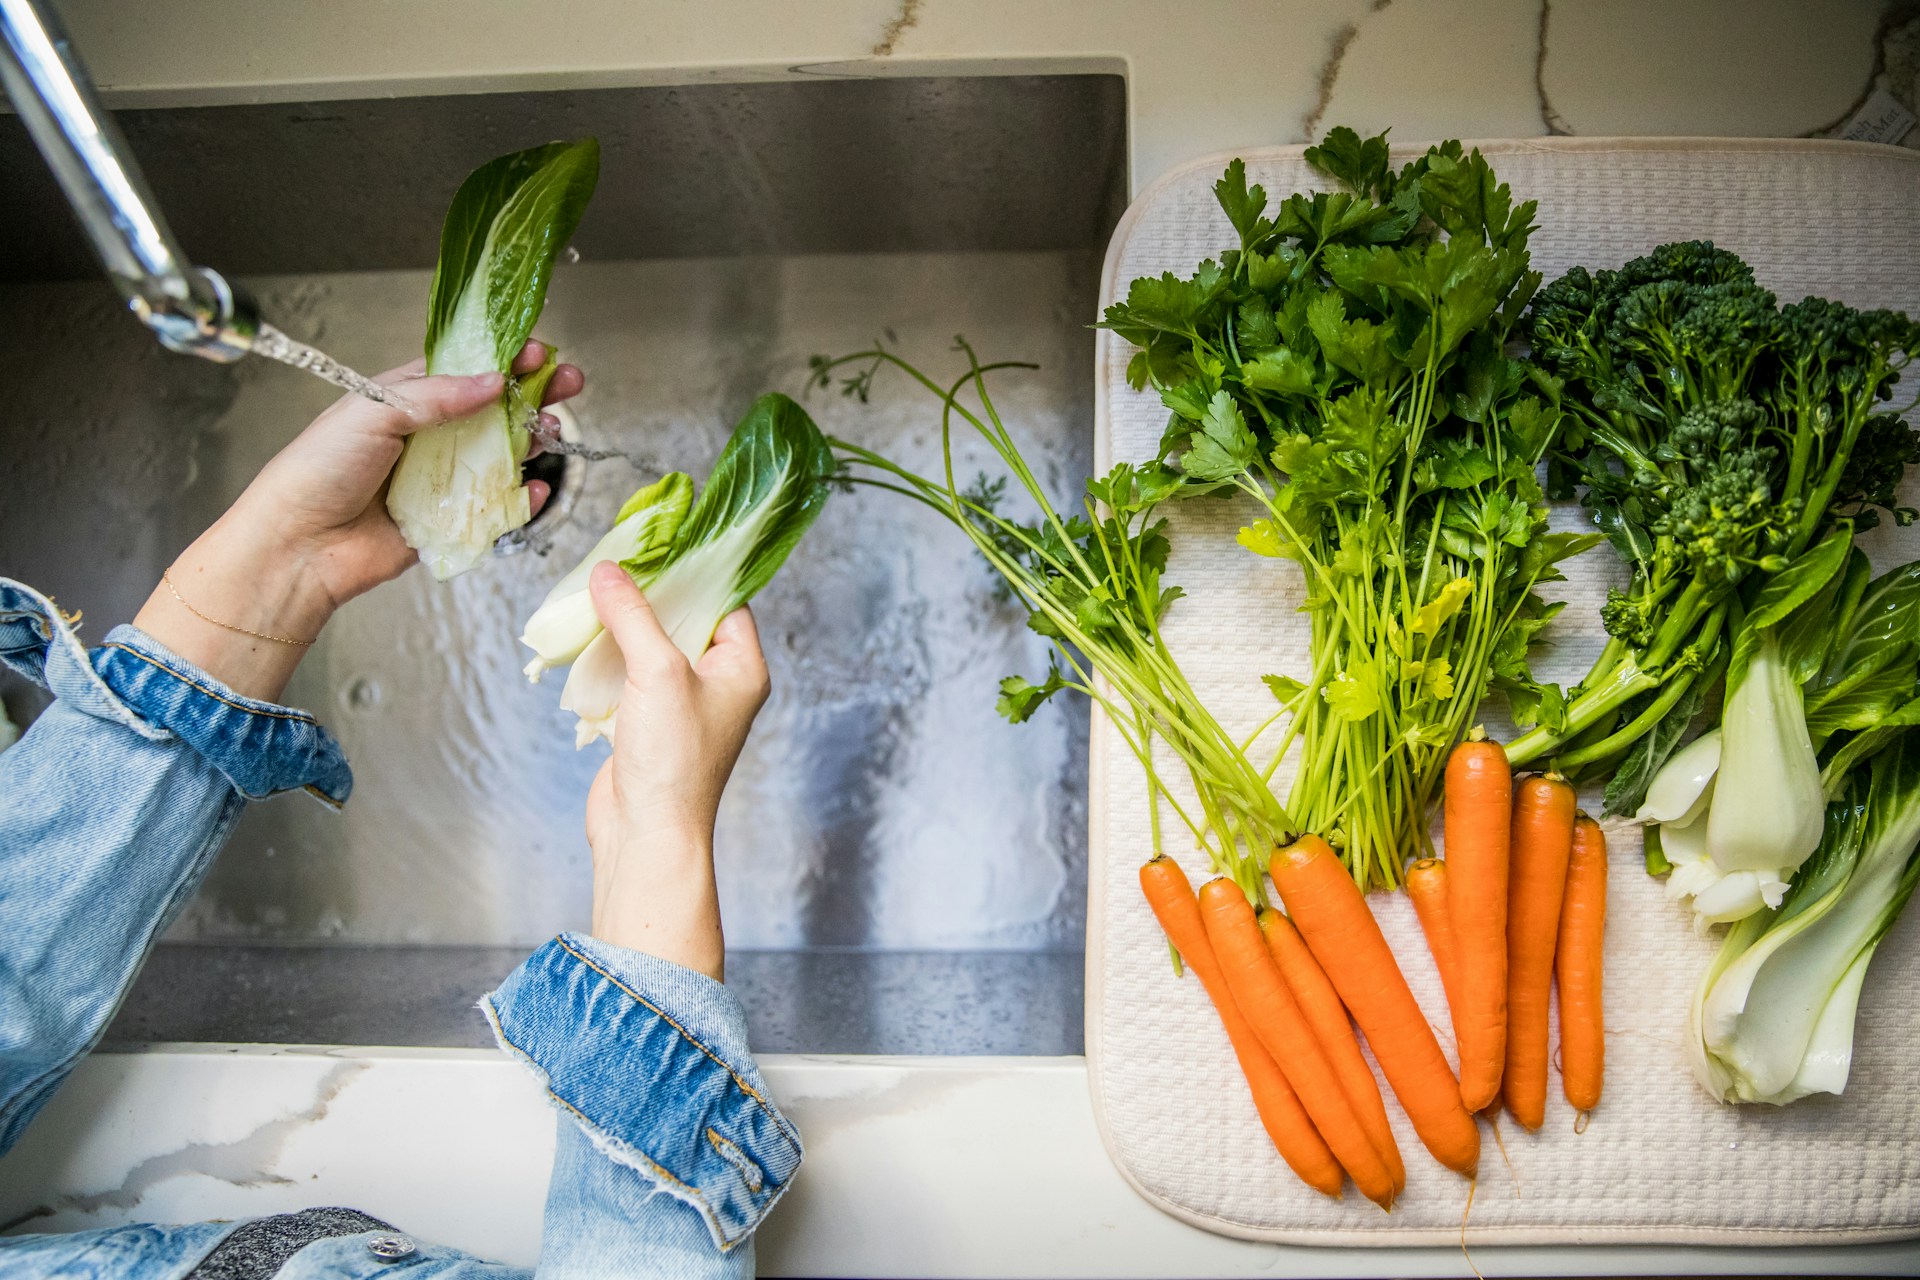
x=457 y=487
x=1092 y=581
x=1730 y=448
x=1772 y=1019
x=643 y=531
x=696 y=559
x=1345 y=367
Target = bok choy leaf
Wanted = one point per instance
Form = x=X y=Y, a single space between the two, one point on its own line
x=696 y=564
x=457 y=487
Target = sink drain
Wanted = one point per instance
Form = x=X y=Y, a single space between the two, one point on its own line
x=564 y=474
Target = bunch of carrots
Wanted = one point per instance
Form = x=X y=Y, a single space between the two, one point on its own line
x=1519 y=903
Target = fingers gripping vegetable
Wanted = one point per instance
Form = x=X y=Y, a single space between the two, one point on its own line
x=1268 y=1005
x=457 y=487
x=1332 y=915
x=643 y=532
x=1170 y=894
x=1479 y=818
x=1543 y=815
x=1577 y=967
x=696 y=563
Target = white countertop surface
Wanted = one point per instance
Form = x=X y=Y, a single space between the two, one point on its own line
x=915 y=1167
x=1202 y=76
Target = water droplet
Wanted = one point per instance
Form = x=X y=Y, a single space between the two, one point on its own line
x=362 y=694
x=570 y=255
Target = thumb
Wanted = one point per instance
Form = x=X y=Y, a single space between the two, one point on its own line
x=419 y=403
x=624 y=612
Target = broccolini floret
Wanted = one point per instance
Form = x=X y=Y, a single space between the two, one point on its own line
x=1716 y=436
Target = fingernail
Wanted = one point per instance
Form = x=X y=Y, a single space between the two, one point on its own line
x=608 y=571
x=549 y=425
x=489 y=382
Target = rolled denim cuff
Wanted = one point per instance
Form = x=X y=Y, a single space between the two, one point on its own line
x=134 y=680
x=651 y=1060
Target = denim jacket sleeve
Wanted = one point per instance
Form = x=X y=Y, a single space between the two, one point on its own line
x=112 y=807
x=671 y=1150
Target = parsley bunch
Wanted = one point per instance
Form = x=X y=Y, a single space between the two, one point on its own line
x=1091 y=576
x=1346 y=368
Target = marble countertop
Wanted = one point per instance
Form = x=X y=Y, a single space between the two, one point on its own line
x=915 y=1167
x=1201 y=77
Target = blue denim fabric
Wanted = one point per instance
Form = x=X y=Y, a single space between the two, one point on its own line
x=112 y=808
x=722 y=1147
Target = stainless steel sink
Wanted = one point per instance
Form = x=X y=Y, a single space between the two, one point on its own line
x=901 y=872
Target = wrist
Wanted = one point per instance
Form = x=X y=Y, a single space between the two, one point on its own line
x=243 y=608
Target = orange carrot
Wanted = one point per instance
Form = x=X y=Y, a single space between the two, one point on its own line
x=1427 y=886
x=1479 y=816
x=1328 y=1017
x=1275 y=1016
x=1542 y=845
x=1577 y=966
x=1171 y=896
x=1328 y=909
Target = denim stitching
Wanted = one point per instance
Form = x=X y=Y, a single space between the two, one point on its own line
x=706 y=1206
x=691 y=1039
x=755 y=1177
x=300 y=716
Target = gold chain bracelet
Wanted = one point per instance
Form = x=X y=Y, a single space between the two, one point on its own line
x=228 y=626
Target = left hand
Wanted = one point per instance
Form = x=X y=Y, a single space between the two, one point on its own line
x=312 y=530
x=322 y=499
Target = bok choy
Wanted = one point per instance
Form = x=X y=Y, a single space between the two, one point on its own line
x=697 y=559
x=457 y=487
x=1773 y=1018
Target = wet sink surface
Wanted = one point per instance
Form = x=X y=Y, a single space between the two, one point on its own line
x=901 y=872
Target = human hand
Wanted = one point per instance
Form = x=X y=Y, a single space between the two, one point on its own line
x=322 y=499
x=651 y=810
x=312 y=530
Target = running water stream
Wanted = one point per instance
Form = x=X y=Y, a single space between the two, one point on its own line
x=275 y=345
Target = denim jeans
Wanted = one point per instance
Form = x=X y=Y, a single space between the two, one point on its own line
x=112 y=807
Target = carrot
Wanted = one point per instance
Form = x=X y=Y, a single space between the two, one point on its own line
x=1479 y=814
x=1171 y=896
x=1577 y=966
x=1328 y=1017
x=1275 y=1016
x=1427 y=886
x=1332 y=916
x=1542 y=845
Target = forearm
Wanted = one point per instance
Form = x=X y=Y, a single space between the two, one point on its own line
x=671 y=1150
x=112 y=808
x=104 y=836
x=241 y=609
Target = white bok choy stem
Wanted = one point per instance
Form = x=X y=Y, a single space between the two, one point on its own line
x=763 y=493
x=565 y=624
x=1773 y=1018
x=457 y=487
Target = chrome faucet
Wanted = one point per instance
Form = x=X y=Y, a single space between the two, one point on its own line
x=190 y=309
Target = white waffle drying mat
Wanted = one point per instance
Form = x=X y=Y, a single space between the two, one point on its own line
x=1660 y=1162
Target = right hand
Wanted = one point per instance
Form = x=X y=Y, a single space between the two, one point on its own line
x=651 y=811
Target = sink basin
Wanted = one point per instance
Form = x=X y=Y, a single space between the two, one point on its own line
x=901 y=872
